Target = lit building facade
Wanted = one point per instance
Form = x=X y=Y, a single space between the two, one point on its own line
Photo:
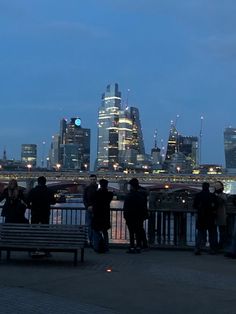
x=120 y=138
x=131 y=142
x=230 y=149
x=108 y=127
x=181 y=153
x=70 y=149
x=29 y=154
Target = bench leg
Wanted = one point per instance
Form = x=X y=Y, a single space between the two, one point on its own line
x=75 y=257
x=8 y=255
x=82 y=254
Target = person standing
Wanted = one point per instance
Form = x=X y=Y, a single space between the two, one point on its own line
x=101 y=217
x=40 y=199
x=221 y=214
x=14 y=207
x=205 y=203
x=88 y=199
x=135 y=211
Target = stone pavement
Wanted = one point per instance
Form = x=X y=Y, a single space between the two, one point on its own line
x=156 y=281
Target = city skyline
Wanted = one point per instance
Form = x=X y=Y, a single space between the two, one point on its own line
x=175 y=58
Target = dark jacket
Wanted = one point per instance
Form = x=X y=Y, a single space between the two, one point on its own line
x=205 y=203
x=101 y=210
x=89 y=195
x=135 y=206
x=40 y=199
x=14 y=208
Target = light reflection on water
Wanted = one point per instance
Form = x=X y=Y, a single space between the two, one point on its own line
x=118 y=232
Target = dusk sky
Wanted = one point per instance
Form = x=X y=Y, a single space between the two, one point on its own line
x=177 y=57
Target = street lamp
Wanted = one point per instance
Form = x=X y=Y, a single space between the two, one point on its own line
x=29 y=167
x=178 y=169
x=58 y=167
x=85 y=166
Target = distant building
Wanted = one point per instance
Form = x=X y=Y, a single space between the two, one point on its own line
x=120 y=138
x=130 y=143
x=71 y=148
x=230 y=149
x=181 y=153
x=29 y=154
x=108 y=123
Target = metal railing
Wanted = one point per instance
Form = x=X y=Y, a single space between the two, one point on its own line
x=173 y=228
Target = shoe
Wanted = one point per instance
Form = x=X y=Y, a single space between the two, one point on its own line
x=212 y=252
x=131 y=250
x=230 y=255
x=138 y=250
x=197 y=252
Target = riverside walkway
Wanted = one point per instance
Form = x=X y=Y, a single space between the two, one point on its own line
x=155 y=281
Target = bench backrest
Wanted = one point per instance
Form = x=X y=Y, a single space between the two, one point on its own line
x=43 y=235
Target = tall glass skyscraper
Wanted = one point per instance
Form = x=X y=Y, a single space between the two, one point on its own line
x=230 y=149
x=131 y=141
x=71 y=148
x=108 y=124
x=120 y=138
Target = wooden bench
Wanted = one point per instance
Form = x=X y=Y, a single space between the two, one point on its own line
x=48 y=238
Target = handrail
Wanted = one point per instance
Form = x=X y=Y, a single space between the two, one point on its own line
x=167 y=227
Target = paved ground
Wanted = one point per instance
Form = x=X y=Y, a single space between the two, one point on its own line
x=165 y=282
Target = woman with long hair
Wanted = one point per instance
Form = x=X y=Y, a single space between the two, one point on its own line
x=14 y=207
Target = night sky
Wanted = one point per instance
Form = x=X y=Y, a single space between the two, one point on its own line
x=176 y=57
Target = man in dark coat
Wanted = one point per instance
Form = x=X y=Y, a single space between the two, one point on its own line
x=88 y=199
x=205 y=203
x=101 y=217
x=135 y=212
x=39 y=201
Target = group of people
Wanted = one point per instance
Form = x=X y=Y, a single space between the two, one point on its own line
x=210 y=207
x=39 y=199
x=97 y=201
x=211 y=218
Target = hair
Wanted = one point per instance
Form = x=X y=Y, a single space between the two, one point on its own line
x=103 y=183
x=93 y=176
x=13 y=192
x=205 y=186
x=42 y=180
x=134 y=183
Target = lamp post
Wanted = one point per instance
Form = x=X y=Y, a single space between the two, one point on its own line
x=58 y=167
x=29 y=167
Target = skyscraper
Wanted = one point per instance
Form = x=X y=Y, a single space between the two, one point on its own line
x=131 y=141
x=29 y=154
x=108 y=123
x=71 y=148
x=182 y=152
x=230 y=149
x=120 y=138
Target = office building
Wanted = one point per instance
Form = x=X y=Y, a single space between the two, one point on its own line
x=108 y=124
x=230 y=149
x=70 y=149
x=29 y=154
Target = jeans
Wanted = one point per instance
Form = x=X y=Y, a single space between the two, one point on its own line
x=201 y=237
x=135 y=232
x=88 y=222
x=97 y=235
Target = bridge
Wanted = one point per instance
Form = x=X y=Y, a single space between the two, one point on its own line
x=29 y=178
